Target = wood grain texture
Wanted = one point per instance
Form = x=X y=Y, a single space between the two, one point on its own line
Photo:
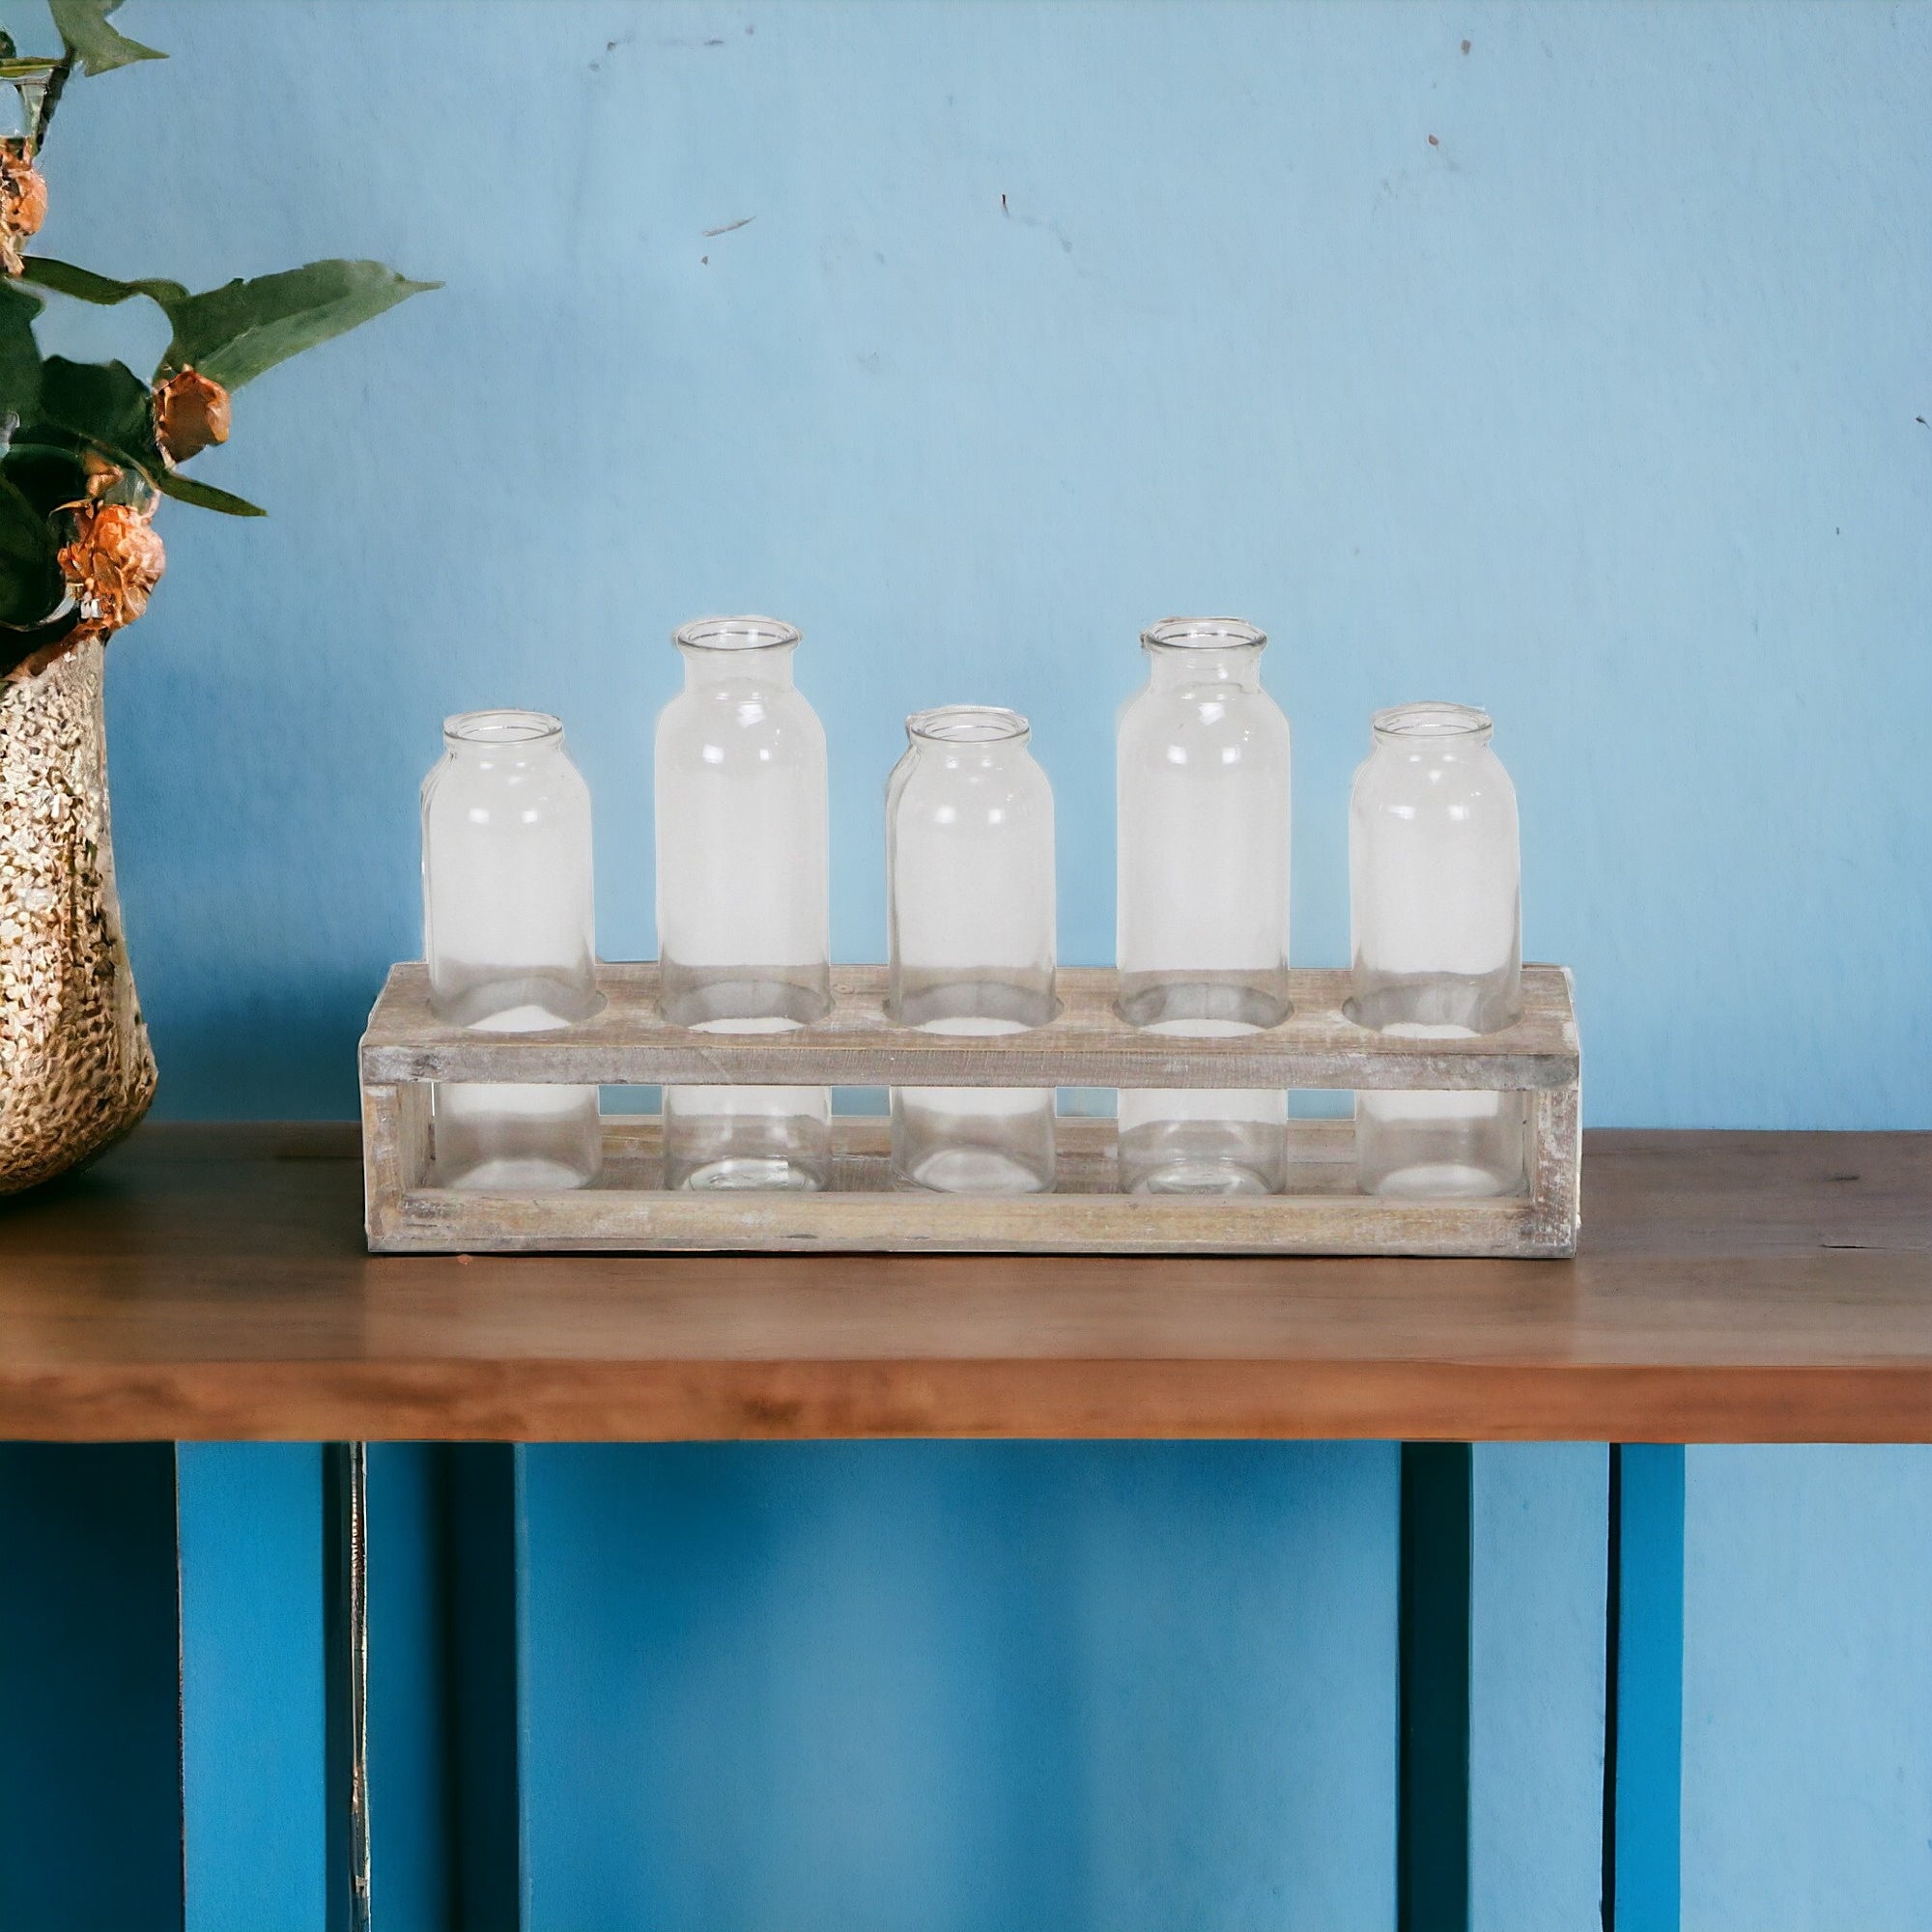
x=1088 y=1045
x=627 y=1211
x=212 y=1282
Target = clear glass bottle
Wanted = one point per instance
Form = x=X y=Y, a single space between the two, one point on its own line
x=1203 y=779
x=1434 y=897
x=509 y=933
x=970 y=898
x=744 y=899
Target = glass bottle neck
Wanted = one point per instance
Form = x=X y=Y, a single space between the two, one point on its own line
x=765 y=664
x=1431 y=733
x=504 y=758
x=1178 y=667
x=967 y=734
x=502 y=737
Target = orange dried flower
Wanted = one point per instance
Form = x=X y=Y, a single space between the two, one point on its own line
x=112 y=563
x=190 y=413
x=23 y=201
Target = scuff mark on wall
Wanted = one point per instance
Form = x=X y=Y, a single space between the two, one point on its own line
x=1039 y=221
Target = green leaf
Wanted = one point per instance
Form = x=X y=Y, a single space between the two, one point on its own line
x=83 y=26
x=231 y=334
x=205 y=495
x=84 y=285
x=30 y=580
x=19 y=357
x=49 y=475
x=108 y=405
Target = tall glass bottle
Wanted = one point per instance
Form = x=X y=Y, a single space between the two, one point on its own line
x=1434 y=877
x=509 y=934
x=744 y=919
x=970 y=896
x=1202 y=943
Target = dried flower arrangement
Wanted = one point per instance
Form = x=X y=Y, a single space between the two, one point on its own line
x=88 y=448
x=87 y=451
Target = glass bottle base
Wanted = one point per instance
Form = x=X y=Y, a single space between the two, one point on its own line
x=972 y=1139
x=518 y=1176
x=506 y=1138
x=1439 y=1146
x=752 y=1171
x=748 y=1138
x=1440 y=1180
x=1181 y=1140
x=1204 y=1157
x=973 y=1171
x=1201 y=1177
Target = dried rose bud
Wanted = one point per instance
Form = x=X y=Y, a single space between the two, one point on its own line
x=190 y=413
x=23 y=201
x=113 y=562
x=101 y=475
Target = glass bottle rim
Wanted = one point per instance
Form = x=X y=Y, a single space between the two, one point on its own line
x=1431 y=720
x=1203 y=633
x=488 y=730
x=967 y=725
x=736 y=634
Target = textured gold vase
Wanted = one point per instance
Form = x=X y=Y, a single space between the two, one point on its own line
x=77 y=1071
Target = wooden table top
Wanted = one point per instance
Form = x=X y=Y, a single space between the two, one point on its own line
x=211 y=1282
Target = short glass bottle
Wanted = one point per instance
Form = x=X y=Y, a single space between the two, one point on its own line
x=1435 y=899
x=743 y=898
x=509 y=934
x=1203 y=789
x=970 y=898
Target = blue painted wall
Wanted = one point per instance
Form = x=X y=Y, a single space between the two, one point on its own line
x=252 y=1685
x=1807 y=1688
x=1576 y=375
x=1537 y=1685
x=942 y=1685
x=1567 y=358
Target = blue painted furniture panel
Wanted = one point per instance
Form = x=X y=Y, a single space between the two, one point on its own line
x=924 y=1685
x=1646 y=1743
x=90 y=1780
x=1536 y=1687
x=1807 y=1689
x=411 y=1688
x=251 y=1660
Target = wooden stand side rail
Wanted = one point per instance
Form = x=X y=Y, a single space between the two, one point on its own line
x=406 y=1049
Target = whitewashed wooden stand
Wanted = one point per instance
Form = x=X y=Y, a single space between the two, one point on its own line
x=406 y=1048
